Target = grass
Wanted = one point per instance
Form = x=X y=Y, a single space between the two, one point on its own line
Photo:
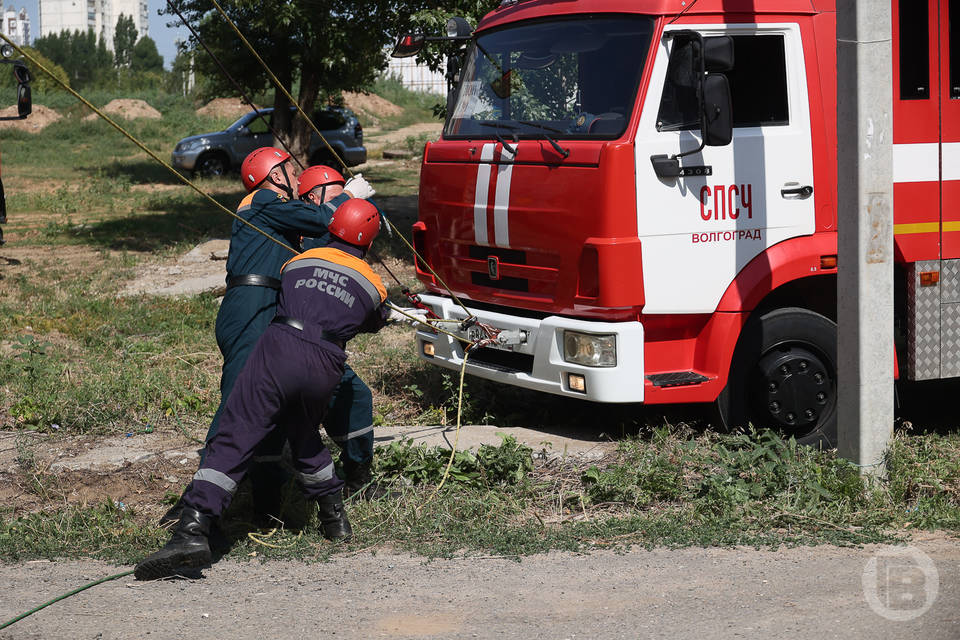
x=673 y=487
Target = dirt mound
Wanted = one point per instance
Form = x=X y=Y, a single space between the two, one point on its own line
x=370 y=105
x=40 y=118
x=129 y=109
x=224 y=108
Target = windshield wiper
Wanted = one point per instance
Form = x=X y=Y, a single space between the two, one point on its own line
x=564 y=152
x=500 y=125
x=500 y=138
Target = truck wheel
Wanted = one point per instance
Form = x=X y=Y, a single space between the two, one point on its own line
x=210 y=165
x=784 y=377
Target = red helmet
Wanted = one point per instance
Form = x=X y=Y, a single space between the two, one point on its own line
x=355 y=221
x=258 y=165
x=318 y=176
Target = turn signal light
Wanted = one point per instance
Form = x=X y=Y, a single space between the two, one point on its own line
x=929 y=278
x=428 y=349
x=828 y=262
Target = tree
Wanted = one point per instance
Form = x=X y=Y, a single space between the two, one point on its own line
x=145 y=56
x=83 y=56
x=124 y=37
x=325 y=46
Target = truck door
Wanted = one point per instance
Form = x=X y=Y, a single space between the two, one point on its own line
x=948 y=30
x=699 y=231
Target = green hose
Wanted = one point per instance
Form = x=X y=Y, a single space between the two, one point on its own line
x=66 y=595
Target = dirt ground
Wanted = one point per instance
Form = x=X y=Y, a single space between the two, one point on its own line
x=696 y=594
x=39 y=118
x=128 y=109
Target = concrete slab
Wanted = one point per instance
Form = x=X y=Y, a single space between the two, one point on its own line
x=551 y=444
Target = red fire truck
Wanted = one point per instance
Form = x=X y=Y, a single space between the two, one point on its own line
x=642 y=197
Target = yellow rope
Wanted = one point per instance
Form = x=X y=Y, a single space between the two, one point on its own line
x=260 y=538
x=142 y=146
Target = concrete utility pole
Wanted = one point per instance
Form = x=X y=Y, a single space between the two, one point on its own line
x=865 y=227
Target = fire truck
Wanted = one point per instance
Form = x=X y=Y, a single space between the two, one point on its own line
x=24 y=107
x=640 y=198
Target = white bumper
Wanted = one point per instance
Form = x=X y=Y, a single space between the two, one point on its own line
x=538 y=363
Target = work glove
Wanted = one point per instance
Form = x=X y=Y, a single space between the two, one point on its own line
x=419 y=314
x=358 y=187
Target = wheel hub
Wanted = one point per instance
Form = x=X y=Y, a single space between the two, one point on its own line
x=797 y=388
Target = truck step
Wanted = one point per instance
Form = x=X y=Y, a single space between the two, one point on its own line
x=676 y=378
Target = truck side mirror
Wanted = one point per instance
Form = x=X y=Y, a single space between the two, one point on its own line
x=718 y=53
x=408 y=44
x=717 y=111
x=24 y=96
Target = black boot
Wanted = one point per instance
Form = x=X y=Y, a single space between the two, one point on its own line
x=333 y=518
x=189 y=548
x=172 y=516
x=358 y=482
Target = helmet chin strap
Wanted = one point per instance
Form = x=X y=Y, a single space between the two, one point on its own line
x=286 y=188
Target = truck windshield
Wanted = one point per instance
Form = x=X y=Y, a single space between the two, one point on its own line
x=564 y=78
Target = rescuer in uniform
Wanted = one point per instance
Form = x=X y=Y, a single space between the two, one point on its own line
x=350 y=419
x=327 y=296
x=253 y=264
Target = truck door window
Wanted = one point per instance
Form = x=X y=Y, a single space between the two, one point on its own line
x=954 y=18
x=758 y=85
x=914 y=50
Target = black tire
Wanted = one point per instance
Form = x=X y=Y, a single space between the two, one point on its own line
x=212 y=164
x=784 y=377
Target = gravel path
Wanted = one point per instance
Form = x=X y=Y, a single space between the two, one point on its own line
x=702 y=594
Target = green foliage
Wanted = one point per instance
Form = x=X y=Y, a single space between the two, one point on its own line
x=41 y=84
x=124 y=38
x=509 y=463
x=84 y=57
x=145 y=56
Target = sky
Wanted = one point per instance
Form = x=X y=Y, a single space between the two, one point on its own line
x=163 y=36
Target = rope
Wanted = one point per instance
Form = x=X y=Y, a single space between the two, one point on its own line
x=261 y=539
x=63 y=597
x=243 y=95
x=142 y=146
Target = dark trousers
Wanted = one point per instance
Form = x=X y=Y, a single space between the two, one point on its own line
x=286 y=381
x=349 y=422
x=245 y=314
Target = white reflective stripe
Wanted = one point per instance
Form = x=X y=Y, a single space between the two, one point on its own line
x=501 y=205
x=352 y=434
x=480 y=197
x=218 y=478
x=320 y=477
x=951 y=160
x=916 y=162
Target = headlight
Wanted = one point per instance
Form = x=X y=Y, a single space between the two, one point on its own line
x=590 y=350
x=190 y=145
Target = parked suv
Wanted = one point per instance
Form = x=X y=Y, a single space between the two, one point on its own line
x=213 y=154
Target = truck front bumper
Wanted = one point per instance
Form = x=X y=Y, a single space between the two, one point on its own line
x=537 y=362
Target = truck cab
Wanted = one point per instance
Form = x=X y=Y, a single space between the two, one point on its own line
x=578 y=203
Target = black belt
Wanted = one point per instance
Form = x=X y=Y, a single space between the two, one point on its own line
x=329 y=336
x=252 y=280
